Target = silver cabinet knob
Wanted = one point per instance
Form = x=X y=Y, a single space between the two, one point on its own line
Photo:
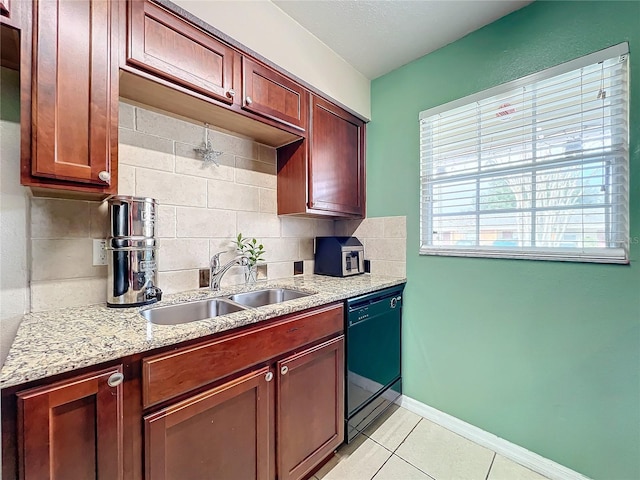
x=284 y=370
x=248 y=100
x=231 y=93
x=104 y=176
x=269 y=376
x=115 y=379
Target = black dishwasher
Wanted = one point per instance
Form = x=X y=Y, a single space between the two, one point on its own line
x=373 y=337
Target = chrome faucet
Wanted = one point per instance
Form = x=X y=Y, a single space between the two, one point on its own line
x=216 y=271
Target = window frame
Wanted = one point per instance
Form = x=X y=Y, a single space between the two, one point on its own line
x=578 y=254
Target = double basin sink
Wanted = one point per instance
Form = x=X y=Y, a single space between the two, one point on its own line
x=214 y=307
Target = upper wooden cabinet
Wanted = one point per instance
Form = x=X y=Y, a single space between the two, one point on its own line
x=324 y=175
x=72 y=429
x=173 y=49
x=70 y=92
x=272 y=95
x=336 y=160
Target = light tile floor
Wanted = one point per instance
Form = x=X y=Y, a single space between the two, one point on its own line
x=404 y=446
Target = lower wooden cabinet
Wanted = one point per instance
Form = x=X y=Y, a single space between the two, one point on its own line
x=227 y=432
x=72 y=429
x=221 y=433
x=310 y=405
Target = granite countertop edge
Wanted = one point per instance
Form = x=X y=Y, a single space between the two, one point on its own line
x=58 y=341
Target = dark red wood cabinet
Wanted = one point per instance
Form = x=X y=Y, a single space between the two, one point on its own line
x=336 y=160
x=274 y=96
x=175 y=50
x=221 y=433
x=71 y=87
x=72 y=429
x=282 y=417
x=310 y=408
x=324 y=175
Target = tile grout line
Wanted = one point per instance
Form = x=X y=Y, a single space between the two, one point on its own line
x=404 y=459
x=491 y=466
x=385 y=462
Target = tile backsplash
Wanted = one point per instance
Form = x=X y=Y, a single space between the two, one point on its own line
x=384 y=240
x=202 y=208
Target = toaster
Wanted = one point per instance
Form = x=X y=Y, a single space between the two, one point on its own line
x=338 y=256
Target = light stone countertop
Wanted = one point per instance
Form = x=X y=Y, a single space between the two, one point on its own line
x=57 y=341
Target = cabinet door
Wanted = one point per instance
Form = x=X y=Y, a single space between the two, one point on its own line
x=72 y=429
x=175 y=50
x=274 y=96
x=310 y=415
x=75 y=91
x=221 y=433
x=336 y=160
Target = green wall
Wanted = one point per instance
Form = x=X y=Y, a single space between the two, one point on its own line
x=543 y=354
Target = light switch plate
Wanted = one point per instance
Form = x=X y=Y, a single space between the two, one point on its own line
x=99 y=251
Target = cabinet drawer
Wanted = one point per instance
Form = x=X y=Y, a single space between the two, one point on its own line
x=175 y=50
x=274 y=96
x=168 y=375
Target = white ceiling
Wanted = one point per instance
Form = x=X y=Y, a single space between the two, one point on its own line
x=378 y=36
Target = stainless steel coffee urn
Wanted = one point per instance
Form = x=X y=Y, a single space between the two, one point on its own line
x=132 y=252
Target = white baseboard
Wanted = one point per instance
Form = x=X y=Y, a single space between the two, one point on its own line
x=524 y=457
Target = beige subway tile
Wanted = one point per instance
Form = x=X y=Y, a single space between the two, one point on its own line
x=257 y=179
x=171 y=189
x=255 y=166
x=168 y=127
x=224 y=246
x=205 y=222
x=234 y=145
x=260 y=174
x=231 y=196
x=267 y=154
x=390 y=268
x=297 y=227
x=99 y=217
x=126 y=180
x=306 y=248
x=63 y=258
x=280 y=270
x=148 y=151
x=48 y=295
x=370 y=228
x=178 y=281
x=126 y=116
x=281 y=249
x=385 y=249
x=346 y=228
x=308 y=266
x=166 y=221
x=52 y=218
x=258 y=224
x=395 y=227
x=268 y=201
x=324 y=228
x=183 y=254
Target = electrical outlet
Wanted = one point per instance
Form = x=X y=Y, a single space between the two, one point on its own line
x=99 y=251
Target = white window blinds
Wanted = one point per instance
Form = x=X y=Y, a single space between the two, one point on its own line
x=537 y=168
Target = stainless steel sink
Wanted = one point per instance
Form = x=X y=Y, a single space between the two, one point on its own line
x=266 y=296
x=190 y=311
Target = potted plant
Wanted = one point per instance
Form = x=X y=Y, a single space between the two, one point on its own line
x=254 y=252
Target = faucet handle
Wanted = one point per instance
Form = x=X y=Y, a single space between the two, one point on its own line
x=215 y=260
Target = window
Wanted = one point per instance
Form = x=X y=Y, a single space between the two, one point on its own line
x=536 y=168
